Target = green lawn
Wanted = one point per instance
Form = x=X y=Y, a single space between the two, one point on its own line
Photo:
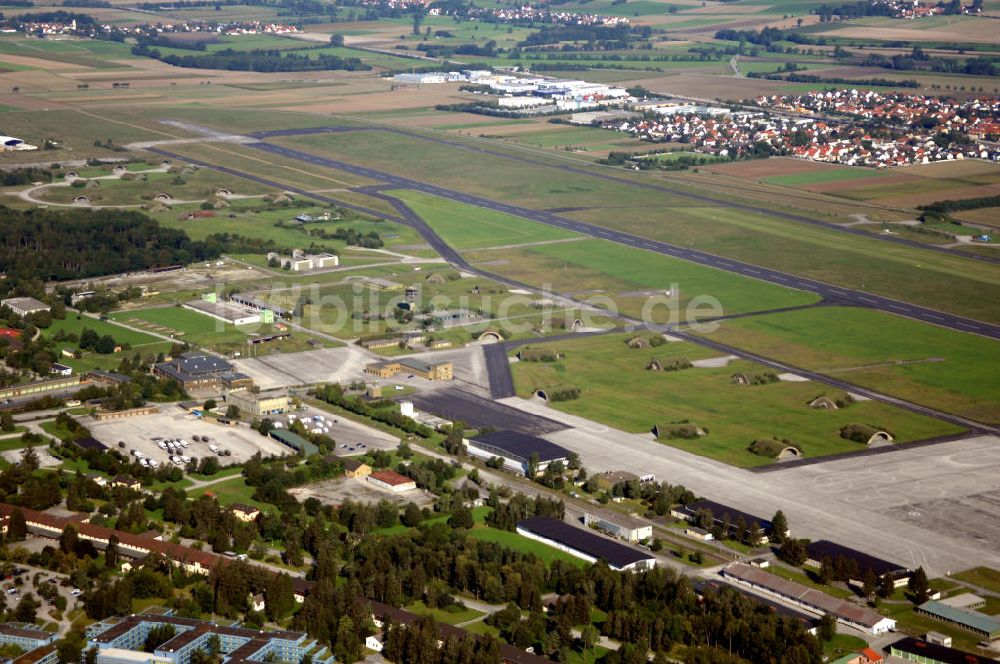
x=734 y=415
x=843 y=644
x=520 y=543
x=949 y=370
x=469 y=227
x=12 y=440
x=984 y=577
x=451 y=616
x=75 y=324
x=235 y=490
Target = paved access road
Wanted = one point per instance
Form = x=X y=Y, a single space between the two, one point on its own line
x=828 y=291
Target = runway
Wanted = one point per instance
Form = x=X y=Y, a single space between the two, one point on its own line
x=665 y=188
x=829 y=292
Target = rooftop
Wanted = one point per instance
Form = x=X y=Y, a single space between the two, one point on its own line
x=719 y=511
x=522 y=445
x=936 y=653
x=974 y=620
x=839 y=608
x=586 y=542
x=391 y=477
x=23 y=303
x=822 y=548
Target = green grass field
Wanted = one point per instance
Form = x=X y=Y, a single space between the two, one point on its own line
x=984 y=577
x=511 y=540
x=823 y=175
x=234 y=490
x=611 y=270
x=469 y=227
x=949 y=370
x=448 y=617
x=75 y=324
x=734 y=415
x=190 y=326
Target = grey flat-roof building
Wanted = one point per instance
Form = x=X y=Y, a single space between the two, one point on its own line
x=516 y=449
x=22 y=306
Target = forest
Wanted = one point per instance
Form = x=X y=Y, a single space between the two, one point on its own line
x=47 y=245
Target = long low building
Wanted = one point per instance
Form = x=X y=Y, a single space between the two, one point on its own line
x=824 y=549
x=915 y=650
x=809 y=621
x=982 y=625
x=853 y=615
x=721 y=515
x=48 y=525
x=584 y=544
x=229 y=312
x=517 y=450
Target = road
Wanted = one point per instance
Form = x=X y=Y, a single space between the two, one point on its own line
x=830 y=292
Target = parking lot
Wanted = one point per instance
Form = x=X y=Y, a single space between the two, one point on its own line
x=351 y=437
x=20 y=580
x=138 y=433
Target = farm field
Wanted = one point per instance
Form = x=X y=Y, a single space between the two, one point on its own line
x=945 y=369
x=706 y=396
x=469 y=227
x=984 y=216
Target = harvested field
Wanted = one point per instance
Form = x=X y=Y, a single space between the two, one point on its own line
x=985 y=216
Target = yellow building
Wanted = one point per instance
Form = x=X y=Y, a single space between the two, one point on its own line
x=258 y=405
x=425 y=370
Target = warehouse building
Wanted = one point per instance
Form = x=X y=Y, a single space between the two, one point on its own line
x=848 y=613
x=517 y=449
x=229 y=312
x=390 y=480
x=295 y=441
x=258 y=405
x=584 y=544
x=621 y=526
x=23 y=306
x=856 y=560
